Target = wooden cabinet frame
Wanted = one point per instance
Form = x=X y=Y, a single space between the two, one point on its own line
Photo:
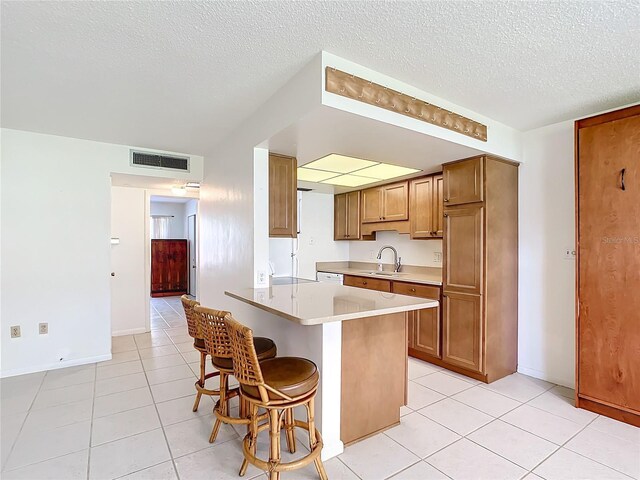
x=283 y=196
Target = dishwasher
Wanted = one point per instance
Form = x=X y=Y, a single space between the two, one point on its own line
x=329 y=277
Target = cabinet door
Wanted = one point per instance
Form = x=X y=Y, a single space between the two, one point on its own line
x=462 y=330
x=353 y=215
x=178 y=265
x=463 y=182
x=340 y=212
x=421 y=209
x=438 y=206
x=368 y=283
x=283 y=211
x=158 y=266
x=462 y=248
x=395 y=202
x=372 y=205
x=427 y=331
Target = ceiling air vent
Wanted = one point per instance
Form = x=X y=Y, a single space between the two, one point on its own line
x=165 y=162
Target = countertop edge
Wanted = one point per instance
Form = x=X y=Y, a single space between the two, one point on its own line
x=403 y=278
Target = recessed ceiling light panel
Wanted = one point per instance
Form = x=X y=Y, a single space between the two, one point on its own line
x=349 y=181
x=309 y=175
x=385 y=171
x=339 y=163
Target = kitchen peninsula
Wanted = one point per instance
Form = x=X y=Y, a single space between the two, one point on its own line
x=363 y=360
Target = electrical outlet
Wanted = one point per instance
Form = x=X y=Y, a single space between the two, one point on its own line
x=569 y=253
x=15 y=331
x=262 y=277
x=312 y=240
x=43 y=328
x=437 y=257
x=372 y=254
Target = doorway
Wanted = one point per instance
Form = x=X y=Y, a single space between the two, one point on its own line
x=193 y=249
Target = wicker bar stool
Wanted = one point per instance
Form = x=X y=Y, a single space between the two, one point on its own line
x=216 y=339
x=277 y=385
x=193 y=326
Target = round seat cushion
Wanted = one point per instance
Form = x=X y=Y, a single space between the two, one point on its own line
x=198 y=344
x=292 y=376
x=265 y=348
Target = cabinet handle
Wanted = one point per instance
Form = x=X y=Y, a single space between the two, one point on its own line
x=446 y=214
x=446 y=199
x=622 y=179
x=413 y=290
x=364 y=283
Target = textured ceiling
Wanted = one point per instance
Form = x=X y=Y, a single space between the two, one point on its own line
x=180 y=76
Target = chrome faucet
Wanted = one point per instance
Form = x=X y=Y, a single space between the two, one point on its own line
x=396 y=258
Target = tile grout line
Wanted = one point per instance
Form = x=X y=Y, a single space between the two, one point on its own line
x=93 y=406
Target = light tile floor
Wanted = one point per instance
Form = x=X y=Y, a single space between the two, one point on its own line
x=131 y=418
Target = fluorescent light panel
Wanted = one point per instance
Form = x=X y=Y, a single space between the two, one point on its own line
x=348 y=180
x=339 y=164
x=309 y=175
x=384 y=171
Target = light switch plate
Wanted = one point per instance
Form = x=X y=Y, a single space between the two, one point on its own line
x=437 y=257
x=569 y=253
x=43 y=328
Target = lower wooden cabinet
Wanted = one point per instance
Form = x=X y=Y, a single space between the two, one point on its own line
x=368 y=283
x=462 y=331
x=426 y=331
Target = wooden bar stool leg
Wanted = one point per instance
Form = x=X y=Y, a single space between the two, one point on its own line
x=274 y=451
x=222 y=405
x=312 y=437
x=203 y=360
x=289 y=427
x=253 y=436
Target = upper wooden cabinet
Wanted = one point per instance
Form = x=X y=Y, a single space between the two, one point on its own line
x=463 y=181
x=387 y=203
x=283 y=208
x=347 y=216
x=425 y=207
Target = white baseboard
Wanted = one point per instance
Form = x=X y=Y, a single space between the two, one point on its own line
x=330 y=450
x=55 y=366
x=131 y=331
x=532 y=372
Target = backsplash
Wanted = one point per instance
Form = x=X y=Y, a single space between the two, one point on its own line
x=413 y=252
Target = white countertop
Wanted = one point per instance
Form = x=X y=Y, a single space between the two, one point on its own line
x=411 y=274
x=318 y=303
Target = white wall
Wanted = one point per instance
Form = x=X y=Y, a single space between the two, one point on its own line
x=55 y=251
x=413 y=252
x=546 y=325
x=176 y=212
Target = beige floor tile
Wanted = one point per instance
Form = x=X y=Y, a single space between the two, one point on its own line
x=564 y=391
x=132 y=453
x=124 y=424
x=120 y=384
x=122 y=344
x=466 y=460
x=15 y=401
x=121 y=402
x=120 y=358
x=420 y=396
x=155 y=363
x=163 y=471
x=68 y=467
x=418 y=368
x=58 y=416
x=487 y=401
x=180 y=409
x=175 y=389
x=420 y=471
x=149 y=340
x=157 y=351
x=66 y=377
x=456 y=416
x=522 y=448
x=377 y=457
x=617 y=429
x=60 y=396
x=221 y=462
x=118 y=370
x=194 y=357
x=543 y=424
x=193 y=435
x=609 y=450
x=176 y=331
x=10 y=426
x=562 y=407
x=444 y=384
x=421 y=435
x=163 y=375
x=405 y=411
x=185 y=347
x=36 y=446
x=567 y=465
x=520 y=387
x=177 y=339
x=465 y=378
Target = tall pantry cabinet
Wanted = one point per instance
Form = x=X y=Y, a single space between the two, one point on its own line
x=480 y=270
x=608 y=264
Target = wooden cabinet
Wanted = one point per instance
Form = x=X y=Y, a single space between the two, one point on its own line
x=608 y=264
x=480 y=267
x=387 y=203
x=368 y=283
x=462 y=331
x=169 y=269
x=283 y=207
x=347 y=216
x=463 y=181
x=424 y=325
x=426 y=207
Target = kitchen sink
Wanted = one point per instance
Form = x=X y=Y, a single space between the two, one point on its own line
x=387 y=274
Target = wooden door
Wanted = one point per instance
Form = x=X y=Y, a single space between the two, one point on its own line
x=283 y=207
x=421 y=208
x=462 y=248
x=463 y=182
x=178 y=262
x=159 y=266
x=438 y=206
x=608 y=325
x=395 y=202
x=340 y=213
x=424 y=325
x=353 y=215
x=462 y=330
x=191 y=239
x=371 y=205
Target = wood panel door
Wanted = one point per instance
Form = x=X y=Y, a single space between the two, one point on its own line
x=372 y=205
x=353 y=215
x=438 y=206
x=395 y=202
x=178 y=266
x=608 y=325
x=159 y=265
x=426 y=331
x=340 y=212
x=462 y=330
x=463 y=182
x=283 y=206
x=421 y=207
x=462 y=248
x=169 y=267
